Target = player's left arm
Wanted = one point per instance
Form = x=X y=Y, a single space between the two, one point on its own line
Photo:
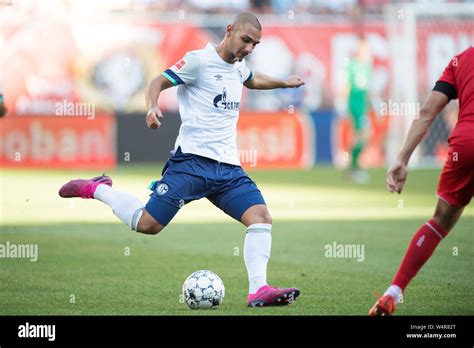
x=261 y=81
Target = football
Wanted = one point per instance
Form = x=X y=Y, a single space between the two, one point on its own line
x=203 y=290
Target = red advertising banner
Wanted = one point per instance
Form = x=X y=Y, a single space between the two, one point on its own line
x=320 y=54
x=274 y=140
x=109 y=63
x=58 y=142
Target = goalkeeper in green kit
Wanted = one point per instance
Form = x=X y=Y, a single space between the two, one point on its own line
x=359 y=75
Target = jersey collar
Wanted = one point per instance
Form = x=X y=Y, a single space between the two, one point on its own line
x=211 y=47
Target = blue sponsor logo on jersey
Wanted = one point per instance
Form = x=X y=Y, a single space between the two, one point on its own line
x=220 y=101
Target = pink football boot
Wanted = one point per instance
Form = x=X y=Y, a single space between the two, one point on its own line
x=83 y=188
x=270 y=296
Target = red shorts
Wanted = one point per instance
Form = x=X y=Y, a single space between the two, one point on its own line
x=456 y=184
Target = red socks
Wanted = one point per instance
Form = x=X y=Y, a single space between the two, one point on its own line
x=421 y=247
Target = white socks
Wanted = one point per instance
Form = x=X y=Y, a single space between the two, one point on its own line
x=396 y=292
x=257 y=246
x=125 y=206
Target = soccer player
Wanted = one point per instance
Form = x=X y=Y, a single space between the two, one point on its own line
x=456 y=184
x=3 y=108
x=205 y=161
x=359 y=75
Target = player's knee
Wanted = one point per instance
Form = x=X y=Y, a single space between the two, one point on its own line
x=148 y=225
x=257 y=214
x=443 y=220
x=151 y=229
x=446 y=215
x=266 y=218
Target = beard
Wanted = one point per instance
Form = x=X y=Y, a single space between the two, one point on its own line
x=235 y=59
x=238 y=56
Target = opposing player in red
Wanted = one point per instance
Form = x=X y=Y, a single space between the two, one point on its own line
x=456 y=184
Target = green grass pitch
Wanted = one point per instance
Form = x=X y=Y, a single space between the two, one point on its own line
x=91 y=264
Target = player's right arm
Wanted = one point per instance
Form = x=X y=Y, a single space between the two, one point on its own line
x=444 y=90
x=157 y=85
x=397 y=174
x=185 y=71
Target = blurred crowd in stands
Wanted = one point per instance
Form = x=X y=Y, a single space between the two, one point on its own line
x=344 y=7
x=224 y=7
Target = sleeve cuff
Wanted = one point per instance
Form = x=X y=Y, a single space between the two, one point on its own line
x=445 y=87
x=250 y=77
x=170 y=75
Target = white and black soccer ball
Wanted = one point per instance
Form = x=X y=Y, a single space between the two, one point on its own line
x=203 y=290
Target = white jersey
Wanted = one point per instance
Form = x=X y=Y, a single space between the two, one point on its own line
x=209 y=96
